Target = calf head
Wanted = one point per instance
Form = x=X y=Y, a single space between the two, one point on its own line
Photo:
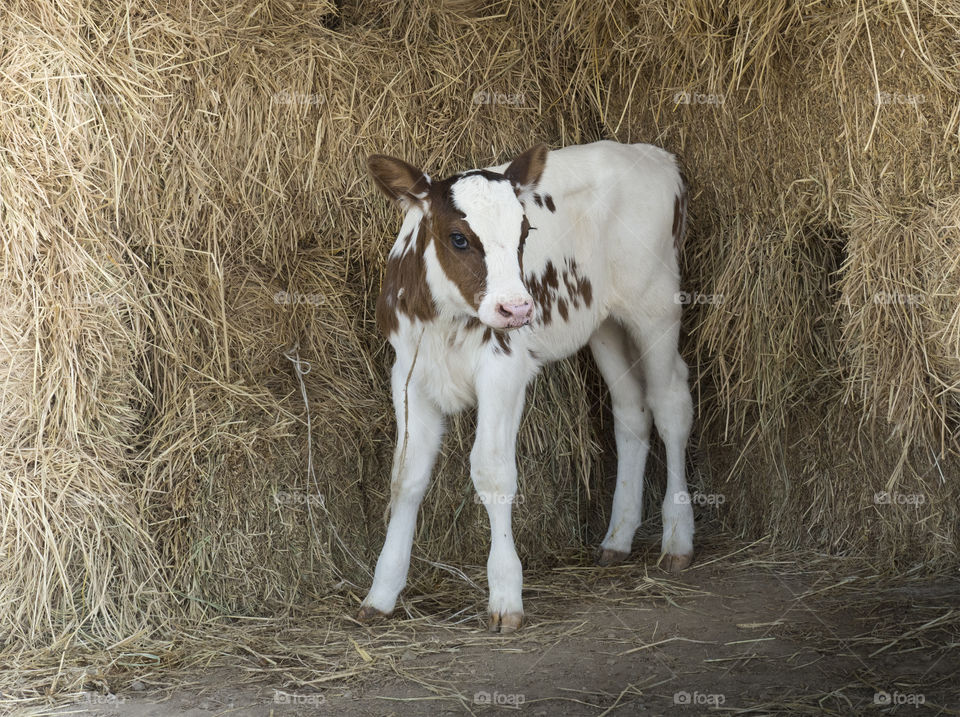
x=472 y=230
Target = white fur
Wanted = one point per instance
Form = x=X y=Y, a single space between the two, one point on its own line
x=407 y=239
x=614 y=216
x=494 y=213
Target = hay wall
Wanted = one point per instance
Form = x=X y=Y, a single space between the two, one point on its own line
x=183 y=200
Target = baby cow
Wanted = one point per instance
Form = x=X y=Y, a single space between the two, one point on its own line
x=499 y=271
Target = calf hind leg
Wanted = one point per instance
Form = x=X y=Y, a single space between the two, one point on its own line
x=611 y=347
x=669 y=398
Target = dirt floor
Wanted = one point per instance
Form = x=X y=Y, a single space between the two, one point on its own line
x=741 y=631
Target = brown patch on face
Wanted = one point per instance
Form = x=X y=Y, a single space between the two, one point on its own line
x=562 y=308
x=404 y=289
x=466 y=268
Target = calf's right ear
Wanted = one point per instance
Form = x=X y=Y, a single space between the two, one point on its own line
x=400 y=181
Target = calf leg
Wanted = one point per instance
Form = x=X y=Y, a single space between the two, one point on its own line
x=611 y=349
x=669 y=398
x=493 y=468
x=419 y=434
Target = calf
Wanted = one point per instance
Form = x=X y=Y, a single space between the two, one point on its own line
x=499 y=271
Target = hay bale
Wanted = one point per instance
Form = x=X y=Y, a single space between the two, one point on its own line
x=213 y=191
x=824 y=237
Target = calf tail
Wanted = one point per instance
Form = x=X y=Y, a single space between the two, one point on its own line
x=680 y=213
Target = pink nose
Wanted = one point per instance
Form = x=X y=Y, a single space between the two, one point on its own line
x=516 y=314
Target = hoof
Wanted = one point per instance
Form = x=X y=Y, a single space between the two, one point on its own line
x=611 y=557
x=504 y=622
x=676 y=563
x=369 y=614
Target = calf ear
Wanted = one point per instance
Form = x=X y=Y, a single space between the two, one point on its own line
x=400 y=181
x=525 y=170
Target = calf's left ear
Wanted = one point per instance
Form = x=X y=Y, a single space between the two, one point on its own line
x=525 y=171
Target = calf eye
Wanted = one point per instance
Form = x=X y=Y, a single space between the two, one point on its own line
x=459 y=241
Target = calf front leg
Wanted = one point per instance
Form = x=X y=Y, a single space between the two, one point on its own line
x=493 y=468
x=419 y=434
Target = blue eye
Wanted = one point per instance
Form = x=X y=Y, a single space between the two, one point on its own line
x=459 y=241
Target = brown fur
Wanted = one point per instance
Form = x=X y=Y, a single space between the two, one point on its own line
x=502 y=337
x=405 y=289
x=578 y=287
x=397 y=179
x=466 y=268
x=680 y=214
x=525 y=170
x=545 y=290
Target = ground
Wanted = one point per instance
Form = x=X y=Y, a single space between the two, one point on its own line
x=742 y=630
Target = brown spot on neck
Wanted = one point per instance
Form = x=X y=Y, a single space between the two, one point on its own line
x=502 y=338
x=543 y=289
x=546 y=290
x=580 y=286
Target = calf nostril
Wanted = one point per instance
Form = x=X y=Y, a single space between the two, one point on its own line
x=503 y=311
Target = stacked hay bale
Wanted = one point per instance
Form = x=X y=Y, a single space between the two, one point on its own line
x=185 y=214
x=823 y=148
